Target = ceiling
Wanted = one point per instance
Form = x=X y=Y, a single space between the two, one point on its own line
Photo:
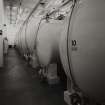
x=12 y=8
x=25 y=3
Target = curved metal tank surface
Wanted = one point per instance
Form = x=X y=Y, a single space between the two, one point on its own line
x=31 y=32
x=19 y=39
x=22 y=39
x=49 y=33
x=63 y=47
x=48 y=41
x=86 y=47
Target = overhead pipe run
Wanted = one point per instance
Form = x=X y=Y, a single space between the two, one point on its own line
x=37 y=4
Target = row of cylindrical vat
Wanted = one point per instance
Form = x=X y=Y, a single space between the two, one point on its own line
x=38 y=37
x=78 y=40
x=43 y=36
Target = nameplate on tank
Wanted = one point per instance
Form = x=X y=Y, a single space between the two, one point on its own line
x=74 y=48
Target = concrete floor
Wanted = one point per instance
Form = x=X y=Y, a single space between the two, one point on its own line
x=20 y=85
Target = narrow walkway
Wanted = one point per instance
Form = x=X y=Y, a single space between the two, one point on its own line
x=20 y=86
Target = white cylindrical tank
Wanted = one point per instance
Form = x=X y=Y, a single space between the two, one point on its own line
x=31 y=32
x=19 y=40
x=42 y=34
x=63 y=47
x=23 y=39
x=49 y=33
x=48 y=41
x=83 y=48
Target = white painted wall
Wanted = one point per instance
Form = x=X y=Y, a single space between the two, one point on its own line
x=1 y=28
x=11 y=32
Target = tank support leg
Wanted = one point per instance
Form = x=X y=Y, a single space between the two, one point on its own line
x=52 y=76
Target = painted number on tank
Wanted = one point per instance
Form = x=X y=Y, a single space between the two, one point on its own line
x=74 y=42
x=74 y=45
